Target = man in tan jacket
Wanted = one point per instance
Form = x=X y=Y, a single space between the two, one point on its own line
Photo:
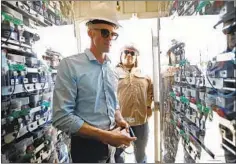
x=135 y=93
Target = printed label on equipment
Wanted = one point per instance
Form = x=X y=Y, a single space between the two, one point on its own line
x=14 y=82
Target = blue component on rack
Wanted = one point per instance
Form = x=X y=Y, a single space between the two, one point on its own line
x=222 y=69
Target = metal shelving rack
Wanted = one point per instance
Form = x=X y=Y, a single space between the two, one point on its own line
x=27 y=83
x=199 y=106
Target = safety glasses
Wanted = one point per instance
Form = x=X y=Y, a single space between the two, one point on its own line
x=132 y=53
x=106 y=33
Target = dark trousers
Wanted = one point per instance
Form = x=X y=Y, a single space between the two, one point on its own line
x=141 y=132
x=84 y=150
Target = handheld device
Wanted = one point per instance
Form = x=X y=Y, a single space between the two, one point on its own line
x=131 y=132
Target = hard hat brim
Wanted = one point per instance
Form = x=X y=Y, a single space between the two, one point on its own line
x=85 y=20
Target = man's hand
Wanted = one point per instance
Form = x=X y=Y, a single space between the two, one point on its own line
x=117 y=139
x=122 y=123
x=149 y=112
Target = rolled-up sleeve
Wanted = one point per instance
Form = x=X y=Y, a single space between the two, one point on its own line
x=116 y=89
x=64 y=98
x=117 y=103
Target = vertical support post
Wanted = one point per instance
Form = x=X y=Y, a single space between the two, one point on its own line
x=157 y=97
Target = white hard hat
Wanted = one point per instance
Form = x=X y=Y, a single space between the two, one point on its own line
x=102 y=12
x=130 y=45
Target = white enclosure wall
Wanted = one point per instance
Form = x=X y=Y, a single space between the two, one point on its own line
x=60 y=38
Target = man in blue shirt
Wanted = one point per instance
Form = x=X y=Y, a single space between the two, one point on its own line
x=85 y=101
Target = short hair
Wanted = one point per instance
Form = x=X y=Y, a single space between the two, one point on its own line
x=99 y=21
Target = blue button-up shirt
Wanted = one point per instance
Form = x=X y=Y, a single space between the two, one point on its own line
x=85 y=91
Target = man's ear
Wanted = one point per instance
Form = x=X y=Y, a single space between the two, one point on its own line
x=90 y=33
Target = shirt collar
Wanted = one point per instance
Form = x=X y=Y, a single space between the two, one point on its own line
x=91 y=57
x=134 y=70
x=89 y=54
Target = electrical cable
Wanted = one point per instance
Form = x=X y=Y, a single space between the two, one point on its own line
x=13 y=86
x=12 y=92
x=230 y=95
x=23 y=83
x=10 y=98
x=9 y=107
x=11 y=30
